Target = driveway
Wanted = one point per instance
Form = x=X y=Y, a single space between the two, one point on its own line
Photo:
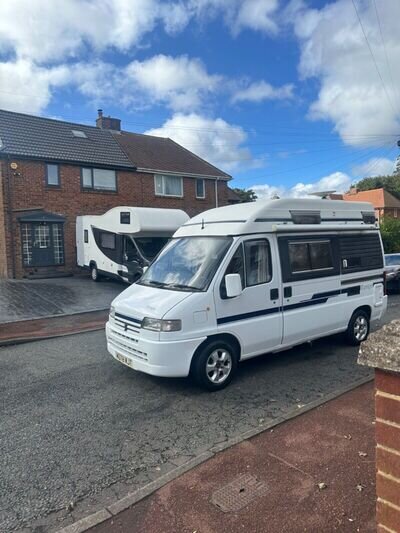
x=27 y=299
x=78 y=426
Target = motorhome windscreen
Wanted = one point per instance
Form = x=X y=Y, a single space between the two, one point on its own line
x=188 y=263
x=150 y=246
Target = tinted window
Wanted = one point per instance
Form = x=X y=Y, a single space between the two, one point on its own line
x=107 y=240
x=258 y=262
x=86 y=235
x=320 y=255
x=360 y=252
x=308 y=256
x=299 y=258
x=125 y=217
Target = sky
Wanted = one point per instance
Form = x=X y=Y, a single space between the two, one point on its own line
x=288 y=97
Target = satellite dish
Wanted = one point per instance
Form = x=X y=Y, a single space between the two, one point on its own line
x=321 y=194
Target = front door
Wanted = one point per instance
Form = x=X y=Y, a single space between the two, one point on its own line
x=254 y=317
x=42 y=245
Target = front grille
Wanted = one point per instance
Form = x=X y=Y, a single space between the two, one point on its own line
x=127 y=324
x=123 y=343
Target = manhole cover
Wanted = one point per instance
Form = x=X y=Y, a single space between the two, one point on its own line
x=239 y=493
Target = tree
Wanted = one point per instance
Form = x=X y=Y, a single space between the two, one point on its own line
x=390 y=231
x=246 y=195
x=389 y=183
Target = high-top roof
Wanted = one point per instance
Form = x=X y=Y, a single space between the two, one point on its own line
x=54 y=140
x=288 y=214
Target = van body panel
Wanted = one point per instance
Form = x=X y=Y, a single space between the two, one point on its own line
x=305 y=265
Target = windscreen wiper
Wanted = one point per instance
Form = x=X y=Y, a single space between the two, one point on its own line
x=183 y=287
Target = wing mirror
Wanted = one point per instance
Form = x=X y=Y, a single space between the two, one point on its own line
x=233 y=284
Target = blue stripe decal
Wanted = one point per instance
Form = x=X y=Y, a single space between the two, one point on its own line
x=124 y=317
x=317 y=299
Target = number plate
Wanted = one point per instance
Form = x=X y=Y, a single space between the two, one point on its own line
x=125 y=360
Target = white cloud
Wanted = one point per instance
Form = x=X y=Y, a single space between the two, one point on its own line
x=53 y=32
x=261 y=90
x=334 y=50
x=212 y=139
x=338 y=181
x=28 y=88
x=258 y=15
x=179 y=82
x=377 y=166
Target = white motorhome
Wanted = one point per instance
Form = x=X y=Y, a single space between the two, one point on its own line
x=124 y=240
x=239 y=281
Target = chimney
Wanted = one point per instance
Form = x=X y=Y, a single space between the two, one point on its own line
x=107 y=123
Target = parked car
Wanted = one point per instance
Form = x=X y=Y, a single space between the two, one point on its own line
x=243 y=280
x=392 y=271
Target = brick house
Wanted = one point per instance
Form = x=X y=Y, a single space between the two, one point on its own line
x=52 y=171
x=384 y=202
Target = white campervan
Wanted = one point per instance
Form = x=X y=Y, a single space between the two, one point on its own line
x=243 y=280
x=124 y=240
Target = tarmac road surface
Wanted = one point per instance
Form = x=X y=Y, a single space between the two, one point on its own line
x=78 y=426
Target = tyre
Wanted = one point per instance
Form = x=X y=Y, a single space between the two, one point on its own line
x=214 y=365
x=94 y=273
x=358 y=328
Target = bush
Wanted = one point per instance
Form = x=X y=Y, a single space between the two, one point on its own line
x=390 y=231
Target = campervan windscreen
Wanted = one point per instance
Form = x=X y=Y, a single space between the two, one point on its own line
x=188 y=263
x=150 y=246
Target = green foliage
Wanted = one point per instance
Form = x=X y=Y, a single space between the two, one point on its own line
x=246 y=195
x=390 y=230
x=389 y=183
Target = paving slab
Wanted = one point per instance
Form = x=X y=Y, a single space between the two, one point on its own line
x=313 y=473
x=31 y=299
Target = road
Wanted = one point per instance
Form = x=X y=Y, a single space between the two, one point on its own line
x=78 y=426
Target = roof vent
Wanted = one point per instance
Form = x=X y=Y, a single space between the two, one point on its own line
x=79 y=133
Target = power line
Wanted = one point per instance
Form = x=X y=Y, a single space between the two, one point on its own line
x=373 y=57
x=386 y=55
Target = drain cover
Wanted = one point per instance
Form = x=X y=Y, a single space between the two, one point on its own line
x=239 y=493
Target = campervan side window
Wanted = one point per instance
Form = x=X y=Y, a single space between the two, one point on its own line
x=360 y=252
x=107 y=240
x=86 y=236
x=125 y=217
x=258 y=262
x=310 y=256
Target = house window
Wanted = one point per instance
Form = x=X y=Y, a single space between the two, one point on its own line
x=200 y=188
x=52 y=175
x=42 y=244
x=395 y=213
x=168 y=185
x=99 y=179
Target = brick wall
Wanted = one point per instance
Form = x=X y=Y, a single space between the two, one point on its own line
x=3 y=252
x=29 y=191
x=388 y=450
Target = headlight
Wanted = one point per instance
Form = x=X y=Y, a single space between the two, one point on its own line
x=154 y=324
x=112 y=311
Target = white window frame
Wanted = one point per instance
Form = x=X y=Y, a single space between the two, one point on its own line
x=163 y=177
x=204 y=188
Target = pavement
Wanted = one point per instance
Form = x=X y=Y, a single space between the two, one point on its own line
x=32 y=299
x=313 y=473
x=76 y=426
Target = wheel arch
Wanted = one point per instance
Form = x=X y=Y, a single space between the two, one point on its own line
x=227 y=337
x=366 y=308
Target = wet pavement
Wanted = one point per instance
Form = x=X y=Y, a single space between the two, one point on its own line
x=29 y=299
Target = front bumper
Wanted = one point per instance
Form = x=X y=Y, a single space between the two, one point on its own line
x=164 y=359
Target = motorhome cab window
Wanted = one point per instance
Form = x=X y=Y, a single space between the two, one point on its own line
x=150 y=246
x=168 y=185
x=258 y=262
x=107 y=240
x=188 y=263
x=308 y=256
x=99 y=179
